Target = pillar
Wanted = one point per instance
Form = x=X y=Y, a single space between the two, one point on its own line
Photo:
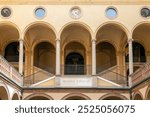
x=21 y=56
x=93 y=57
x=57 y=57
x=130 y=56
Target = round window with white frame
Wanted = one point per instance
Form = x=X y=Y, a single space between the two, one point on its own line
x=75 y=13
x=145 y=12
x=6 y=12
x=111 y=13
x=40 y=12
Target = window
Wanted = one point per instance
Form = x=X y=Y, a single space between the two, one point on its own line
x=111 y=13
x=145 y=12
x=40 y=12
x=5 y=12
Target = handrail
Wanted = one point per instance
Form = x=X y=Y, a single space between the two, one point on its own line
x=113 y=77
x=141 y=74
x=37 y=77
x=10 y=72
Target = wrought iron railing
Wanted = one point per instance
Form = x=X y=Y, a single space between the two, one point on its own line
x=10 y=72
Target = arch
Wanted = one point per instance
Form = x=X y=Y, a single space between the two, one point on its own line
x=73 y=96
x=4 y=92
x=137 y=96
x=113 y=96
x=82 y=24
x=2 y=23
x=137 y=25
x=30 y=25
x=123 y=27
x=105 y=56
x=44 y=56
x=38 y=96
x=147 y=94
x=15 y=96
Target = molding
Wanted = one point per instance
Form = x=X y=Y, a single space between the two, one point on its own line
x=56 y=2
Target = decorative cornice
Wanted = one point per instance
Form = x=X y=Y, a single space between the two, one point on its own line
x=56 y=2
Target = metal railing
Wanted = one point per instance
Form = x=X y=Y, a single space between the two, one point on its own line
x=141 y=74
x=76 y=69
x=113 y=77
x=10 y=72
x=36 y=77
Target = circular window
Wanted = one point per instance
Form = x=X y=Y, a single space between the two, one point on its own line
x=40 y=12
x=5 y=12
x=145 y=12
x=75 y=13
x=111 y=13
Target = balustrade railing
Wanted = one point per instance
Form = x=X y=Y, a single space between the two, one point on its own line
x=141 y=74
x=10 y=72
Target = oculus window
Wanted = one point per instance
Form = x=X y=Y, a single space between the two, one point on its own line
x=40 y=12
x=75 y=13
x=111 y=13
x=6 y=12
x=145 y=12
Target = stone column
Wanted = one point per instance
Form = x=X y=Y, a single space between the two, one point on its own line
x=93 y=57
x=57 y=57
x=130 y=56
x=21 y=56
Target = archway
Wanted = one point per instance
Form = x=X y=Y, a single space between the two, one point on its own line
x=111 y=37
x=15 y=97
x=3 y=93
x=148 y=93
x=76 y=41
x=44 y=56
x=105 y=56
x=12 y=52
x=138 y=53
x=40 y=37
x=137 y=97
x=113 y=97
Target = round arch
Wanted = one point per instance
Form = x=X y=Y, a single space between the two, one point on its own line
x=123 y=27
x=137 y=96
x=76 y=96
x=147 y=94
x=15 y=96
x=82 y=24
x=38 y=96
x=113 y=96
x=4 y=92
x=42 y=23
x=2 y=23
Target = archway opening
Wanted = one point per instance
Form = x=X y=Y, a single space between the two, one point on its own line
x=3 y=93
x=138 y=53
x=15 y=97
x=75 y=59
x=74 y=64
x=12 y=52
x=44 y=56
x=111 y=38
x=137 y=97
x=76 y=41
x=105 y=56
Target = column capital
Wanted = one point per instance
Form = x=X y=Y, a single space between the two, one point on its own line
x=130 y=40
x=21 y=40
x=57 y=39
x=120 y=53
